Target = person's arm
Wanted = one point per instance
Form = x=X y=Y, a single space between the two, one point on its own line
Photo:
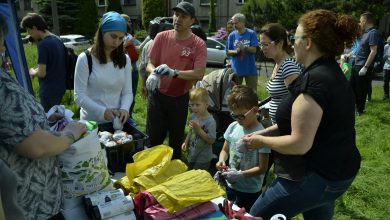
x=42 y=144
x=196 y=74
x=270 y=131
x=199 y=131
x=371 y=56
x=305 y=118
x=151 y=66
x=260 y=169
x=223 y=156
x=186 y=142
x=250 y=49
x=40 y=71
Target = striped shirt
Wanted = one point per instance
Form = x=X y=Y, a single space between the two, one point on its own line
x=276 y=87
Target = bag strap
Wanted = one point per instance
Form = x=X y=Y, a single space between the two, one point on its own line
x=89 y=58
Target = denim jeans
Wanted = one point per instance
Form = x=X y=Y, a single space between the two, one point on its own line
x=313 y=196
x=242 y=199
x=361 y=86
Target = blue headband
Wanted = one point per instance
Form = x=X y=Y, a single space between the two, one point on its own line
x=113 y=21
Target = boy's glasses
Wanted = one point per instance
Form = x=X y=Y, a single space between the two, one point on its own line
x=293 y=38
x=240 y=117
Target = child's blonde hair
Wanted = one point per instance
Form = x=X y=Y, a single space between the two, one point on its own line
x=200 y=94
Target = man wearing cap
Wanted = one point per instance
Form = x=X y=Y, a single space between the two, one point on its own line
x=51 y=68
x=176 y=60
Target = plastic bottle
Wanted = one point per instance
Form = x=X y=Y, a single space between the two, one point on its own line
x=113 y=208
x=103 y=197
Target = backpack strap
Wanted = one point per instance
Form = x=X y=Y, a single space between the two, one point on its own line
x=89 y=58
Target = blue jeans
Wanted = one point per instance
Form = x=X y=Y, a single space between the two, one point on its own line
x=313 y=196
x=242 y=199
x=48 y=102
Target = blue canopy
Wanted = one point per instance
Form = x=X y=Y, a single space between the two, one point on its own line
x=14 y=44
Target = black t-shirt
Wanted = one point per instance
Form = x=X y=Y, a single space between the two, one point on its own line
x=334 y=154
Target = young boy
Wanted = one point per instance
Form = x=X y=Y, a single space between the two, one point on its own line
x=246 y=172
x=202 y=131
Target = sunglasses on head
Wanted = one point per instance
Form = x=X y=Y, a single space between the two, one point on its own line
x=240 y=117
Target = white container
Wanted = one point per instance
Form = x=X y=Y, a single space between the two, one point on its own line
x=113 y=208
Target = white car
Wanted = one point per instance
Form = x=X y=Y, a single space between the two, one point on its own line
x=216 y=54
x=76 y=41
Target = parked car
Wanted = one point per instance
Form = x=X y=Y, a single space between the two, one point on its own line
x=216 y=54
x=75 y=41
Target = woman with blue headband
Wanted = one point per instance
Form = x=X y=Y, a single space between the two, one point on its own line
x=105 y=91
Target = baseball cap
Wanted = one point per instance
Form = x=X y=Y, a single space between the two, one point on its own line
x=186 y=7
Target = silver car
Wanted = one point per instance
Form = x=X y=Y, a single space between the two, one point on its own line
x=76 y=41
x=216 y=54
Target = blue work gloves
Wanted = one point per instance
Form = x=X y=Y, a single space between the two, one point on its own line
x=233 y=176
x=153 y=82
x=165 y=70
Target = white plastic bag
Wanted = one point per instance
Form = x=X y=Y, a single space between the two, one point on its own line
x=83 y=167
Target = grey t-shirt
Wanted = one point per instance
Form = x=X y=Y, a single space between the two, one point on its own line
x=199 y=150
x=244 y=161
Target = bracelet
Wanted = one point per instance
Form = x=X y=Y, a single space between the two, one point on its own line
x=71 y=137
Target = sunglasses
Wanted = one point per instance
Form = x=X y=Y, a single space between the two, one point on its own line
x=240 y=117
x=293 y=38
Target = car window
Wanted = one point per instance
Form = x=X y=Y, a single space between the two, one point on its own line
x=81 y=39
x=65 y=40
x=212 y=44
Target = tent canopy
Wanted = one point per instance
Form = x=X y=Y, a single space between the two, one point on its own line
x=14 y=44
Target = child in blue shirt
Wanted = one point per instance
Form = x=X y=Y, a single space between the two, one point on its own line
x=246 y=168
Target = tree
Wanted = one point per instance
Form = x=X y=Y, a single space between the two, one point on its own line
x=150 y=10
x=114 y=5
x=66 y=13
x=86 y=18
x=212 y=24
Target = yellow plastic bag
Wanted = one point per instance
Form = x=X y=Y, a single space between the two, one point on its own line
x=186 y=189
x=158 y=174
x=146 y=159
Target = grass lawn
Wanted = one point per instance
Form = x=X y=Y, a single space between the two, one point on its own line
x=369 y=196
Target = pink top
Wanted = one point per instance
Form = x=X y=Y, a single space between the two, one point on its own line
x=186 y=54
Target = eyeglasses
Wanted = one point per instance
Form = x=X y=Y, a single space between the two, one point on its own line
x=266 y=45
x=240 y=117
x=293 y=38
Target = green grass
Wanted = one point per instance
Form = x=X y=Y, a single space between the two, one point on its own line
x=369 y=195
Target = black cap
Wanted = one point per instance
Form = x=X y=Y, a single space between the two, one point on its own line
x=186 y=7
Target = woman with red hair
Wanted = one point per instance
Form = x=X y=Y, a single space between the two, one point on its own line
x=308 y=125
